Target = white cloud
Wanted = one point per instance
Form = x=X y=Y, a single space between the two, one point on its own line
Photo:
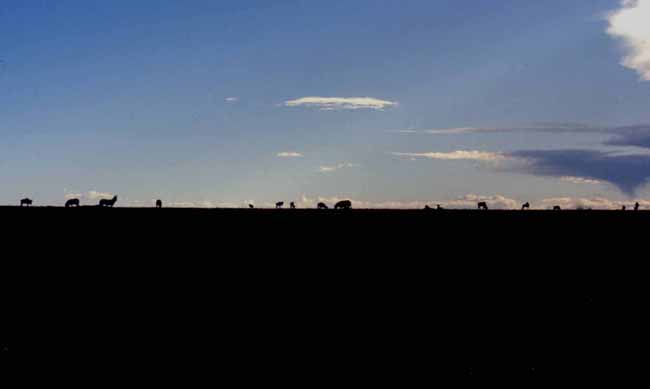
x=94 y=195
x=232 y=99
x=330 y=169
x=631 y=25
x=471 y=155
x=580 y=180
x=341 y=103
x=289 y=154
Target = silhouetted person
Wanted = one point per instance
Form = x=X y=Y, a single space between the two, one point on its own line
x=483 y=206
x=636 y=206
x=108 y=203
x=525 y=206
x=345 y=204
x=158 y=203
x=292 y=205
x=26 y=202
x=557 y=208
x=251 y=206
x=279 y=205
x=72 y=203
x=322 y=206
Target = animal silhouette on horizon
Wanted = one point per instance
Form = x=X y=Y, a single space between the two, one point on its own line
x=427 y=207
x=483 y=206
x=292 y=205
x=636 y=206
x=345 y=204
x=108 y=203
x=322 y=206
x=624 y=208
x=251 y=206
x=557 y=208
x=279 y=205
x=525 y=206
x=439 y=208
x=159 y=203
x=26 y=202
x=72 y=203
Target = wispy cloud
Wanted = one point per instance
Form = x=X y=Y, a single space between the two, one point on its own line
x=341 y=103
x=550 y=127
x=580 y=180
x=471 y=155
x=630 y=24
x=232 y=99
x=333 y=168
x=289 y=154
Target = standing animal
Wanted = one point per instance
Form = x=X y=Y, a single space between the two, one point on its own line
x=525 y=206
x=108 y=203
x=557 y=208
x=483 y=206
x=439 y=208
x=72 y=203
x=345 y=204
x=624 y=208
x=636 y=206
x=279 y=205
x=26 y=202
x=292 y=205
x=427 y=208
x=251 y=206
x=322 y=206
x=158 y=203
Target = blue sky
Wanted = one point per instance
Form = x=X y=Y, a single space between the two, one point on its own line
x=206 y=103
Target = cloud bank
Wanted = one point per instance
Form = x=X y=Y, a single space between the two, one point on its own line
x=341 y=103
x=630 y=25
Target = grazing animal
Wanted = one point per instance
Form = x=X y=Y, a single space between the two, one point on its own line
x=292 y=205
x=26 y=202
x=483 y=206
x=636 y=206
x=426 y=207
x=525 y=206
x=322 y=206
x=158 y=203
x=345 y=204
x=251 y=206
x=72 y=203
x=557 y=208
x=108 y=203
x=279 y=205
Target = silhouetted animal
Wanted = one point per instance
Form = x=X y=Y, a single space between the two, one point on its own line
x=251 y=206
x=427 y=208
x=557 y=208
x=636 y=206
x=72 y=203
x=483 y=206
x=525 y=206
x=108 y=203
x=292 y=205
x=279 y=205
x=26 y=202
x=322 y=206
x=158 y=203
x=439 y=208
x=624 y=208
x=345 y=204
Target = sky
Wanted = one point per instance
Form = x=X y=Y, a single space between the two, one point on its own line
x=391 y=104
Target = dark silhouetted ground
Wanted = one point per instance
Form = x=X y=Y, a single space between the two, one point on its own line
x=303 y=297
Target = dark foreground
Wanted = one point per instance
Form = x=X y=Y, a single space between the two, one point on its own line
x=298 y=298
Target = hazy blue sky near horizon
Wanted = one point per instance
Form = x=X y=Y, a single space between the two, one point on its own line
x=205 y=102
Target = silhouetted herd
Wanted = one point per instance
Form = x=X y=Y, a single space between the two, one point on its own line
x=343 y=205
